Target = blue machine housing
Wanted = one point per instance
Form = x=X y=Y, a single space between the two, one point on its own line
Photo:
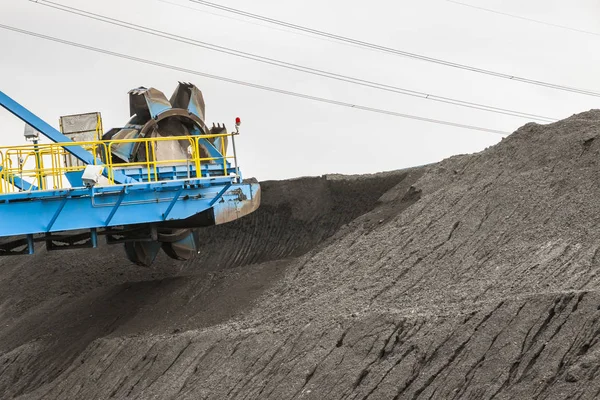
x=145 y=208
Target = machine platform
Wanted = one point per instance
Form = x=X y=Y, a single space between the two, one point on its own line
x=149 y=191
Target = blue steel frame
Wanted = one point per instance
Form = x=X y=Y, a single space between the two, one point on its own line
x=118 y=205
x=45 y=129
x=130 y=201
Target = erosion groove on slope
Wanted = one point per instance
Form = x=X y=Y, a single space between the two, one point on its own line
x=502 y=350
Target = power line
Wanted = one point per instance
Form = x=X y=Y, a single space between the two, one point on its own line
x=295 y=67
x=252 y=85
x=525 y=18
x=373 y=46
x=255 y=23
x=246 y=21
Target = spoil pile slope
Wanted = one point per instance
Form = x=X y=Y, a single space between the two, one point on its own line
x=478 y=280
x=53 y=305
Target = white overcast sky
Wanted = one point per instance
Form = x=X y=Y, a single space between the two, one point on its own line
x=284 y=137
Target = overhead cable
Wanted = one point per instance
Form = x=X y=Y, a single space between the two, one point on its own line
x=252 y=85
x=295 y=67
x=524 y=18
x=390 y=50
x=250 y=22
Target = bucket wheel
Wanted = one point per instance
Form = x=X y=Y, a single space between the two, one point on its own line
x=181 y=245
x=142 y=253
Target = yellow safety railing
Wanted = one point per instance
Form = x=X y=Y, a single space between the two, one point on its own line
x=45 y=165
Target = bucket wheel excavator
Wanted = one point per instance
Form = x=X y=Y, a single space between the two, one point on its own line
x=149 y=185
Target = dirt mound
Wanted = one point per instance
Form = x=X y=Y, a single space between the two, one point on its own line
x=473 y=278
x=55 y=304
x=295 y=216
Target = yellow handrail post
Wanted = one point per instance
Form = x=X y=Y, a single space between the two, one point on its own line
x=197 y=157
x=147 y=159
x=224 y=155
x=154 y=161
x=2 y=173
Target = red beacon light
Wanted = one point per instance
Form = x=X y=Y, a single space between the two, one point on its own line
x=238 y=122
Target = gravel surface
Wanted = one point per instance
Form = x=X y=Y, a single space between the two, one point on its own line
x=473 y=278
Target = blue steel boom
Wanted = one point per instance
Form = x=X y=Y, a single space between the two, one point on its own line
x=149 y=185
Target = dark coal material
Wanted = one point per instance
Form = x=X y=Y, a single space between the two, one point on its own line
x=476 y=277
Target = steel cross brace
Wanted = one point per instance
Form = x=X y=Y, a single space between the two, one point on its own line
x=45 y=129
x=18 y=182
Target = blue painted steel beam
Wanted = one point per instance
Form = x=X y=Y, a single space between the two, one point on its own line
x=213 y=152
x=175 y=198
x=94 y=237
x=161 y=186
x=114 y=210
x=220 y=194
x=57 y=213
x=174 y=172
x=45 y=129
x=137 y=207
x=18 y=182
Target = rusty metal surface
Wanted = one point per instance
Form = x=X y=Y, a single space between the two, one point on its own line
x=155 y=116
x=188 y=97
x=125 y=150
x=147 y=103
x=231 y=209
x=182 y=114
x=80 y=128
x=80 y=123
